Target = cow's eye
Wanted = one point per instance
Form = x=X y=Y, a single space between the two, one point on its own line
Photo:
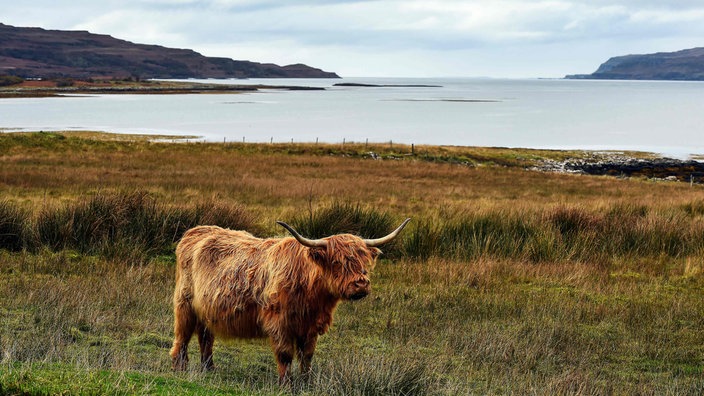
x=364 y=272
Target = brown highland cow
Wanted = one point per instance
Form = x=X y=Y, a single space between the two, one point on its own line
x=231 y=284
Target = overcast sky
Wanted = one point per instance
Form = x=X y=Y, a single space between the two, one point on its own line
x=405 y=38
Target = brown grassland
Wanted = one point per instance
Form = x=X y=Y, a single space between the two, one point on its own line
x=507 y=281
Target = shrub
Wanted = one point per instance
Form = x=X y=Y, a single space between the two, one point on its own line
x=64 y=82
x=7 y=80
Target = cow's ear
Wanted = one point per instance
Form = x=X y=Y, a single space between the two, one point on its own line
x=318 y=255
x=375 y=252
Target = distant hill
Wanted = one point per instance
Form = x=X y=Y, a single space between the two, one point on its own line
x=681 y=65
x=35 y=52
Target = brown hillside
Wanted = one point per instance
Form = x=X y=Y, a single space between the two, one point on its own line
x=36 y=52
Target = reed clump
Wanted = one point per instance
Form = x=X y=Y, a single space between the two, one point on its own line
x=344 y=217
x=557 y=234
x=137 y=225
x=131 y=225
x=13 y=226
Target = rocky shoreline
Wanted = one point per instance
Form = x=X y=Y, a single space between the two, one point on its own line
x=670 y=169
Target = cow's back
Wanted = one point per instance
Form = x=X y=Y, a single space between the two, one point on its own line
x=206 y=246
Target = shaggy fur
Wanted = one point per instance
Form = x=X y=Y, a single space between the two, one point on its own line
x=231 y=284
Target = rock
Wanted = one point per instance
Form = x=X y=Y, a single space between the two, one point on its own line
x=655 y=168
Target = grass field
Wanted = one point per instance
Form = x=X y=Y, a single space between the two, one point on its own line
x=507 y=281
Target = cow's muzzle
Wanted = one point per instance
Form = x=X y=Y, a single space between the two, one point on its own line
x=359 y=295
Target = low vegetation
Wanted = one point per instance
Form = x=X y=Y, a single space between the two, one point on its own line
x=15 y=87
x=506 y=281
x=8 y=80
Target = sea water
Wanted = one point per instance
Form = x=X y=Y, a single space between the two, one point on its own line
x=657 y=116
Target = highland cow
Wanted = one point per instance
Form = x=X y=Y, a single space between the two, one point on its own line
x=231 y=284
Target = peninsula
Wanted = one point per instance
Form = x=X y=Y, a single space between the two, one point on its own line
x=680 y=65
x=31 y=52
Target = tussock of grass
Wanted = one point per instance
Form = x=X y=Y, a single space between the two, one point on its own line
x=135 y=226
x=127 y=225
x=349 y=218
x=372 y=374
x=344 y=218
x=557 y=234
x=13 y=221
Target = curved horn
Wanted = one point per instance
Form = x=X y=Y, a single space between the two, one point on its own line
x=388 y=238
x=311 y=243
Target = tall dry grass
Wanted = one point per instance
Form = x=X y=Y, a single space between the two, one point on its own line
x=558 y=234
x=136 y=226
x=126 y=225
x=277 y=182
x=12 y=226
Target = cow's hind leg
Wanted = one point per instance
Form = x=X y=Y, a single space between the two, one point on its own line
x=184 y=325
x=205 y=340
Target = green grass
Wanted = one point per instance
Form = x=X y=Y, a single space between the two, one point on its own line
x=85 y=325
x=466 y=156
x=51 y=379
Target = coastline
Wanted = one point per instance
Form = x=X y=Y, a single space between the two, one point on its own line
x=620 y=164
x=49 y=88
x=468 y=112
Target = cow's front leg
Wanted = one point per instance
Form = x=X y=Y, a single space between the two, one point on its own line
x=306 y=349
x=284 y=356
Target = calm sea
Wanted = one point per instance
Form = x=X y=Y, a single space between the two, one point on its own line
x=663 y=117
